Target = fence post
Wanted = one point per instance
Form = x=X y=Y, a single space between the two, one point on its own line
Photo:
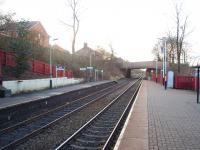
x=33 y=66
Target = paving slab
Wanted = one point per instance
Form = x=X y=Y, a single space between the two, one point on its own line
x=37 y=95
x=162 y=120
x=174 y=118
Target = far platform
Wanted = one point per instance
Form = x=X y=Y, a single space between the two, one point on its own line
x=162 y=120
x=37 y=95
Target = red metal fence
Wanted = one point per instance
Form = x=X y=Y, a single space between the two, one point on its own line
x=159 y=78
x=39 y=67
x=180 y=82
x=7 y=58
x=184 y=82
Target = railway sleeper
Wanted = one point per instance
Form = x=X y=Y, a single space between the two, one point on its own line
x=76 y=147
x=99 y=131
x=90 y=141
x=87 y=143
x=93 y=135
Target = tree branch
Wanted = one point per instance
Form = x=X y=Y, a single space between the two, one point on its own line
x=69 y=25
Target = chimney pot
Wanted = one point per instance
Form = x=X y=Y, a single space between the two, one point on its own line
x=85 y=45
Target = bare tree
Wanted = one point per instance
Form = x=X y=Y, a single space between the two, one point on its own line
x=74 y=6
x=112 y=53
x=180 y=35
x=157 y=53
x=6 y=19
x=171 y=45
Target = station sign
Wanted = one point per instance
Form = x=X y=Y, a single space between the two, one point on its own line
x=82 y=69
x=60 y=68
x=90 y=68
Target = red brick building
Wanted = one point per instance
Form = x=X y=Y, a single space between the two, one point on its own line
x=36 y=32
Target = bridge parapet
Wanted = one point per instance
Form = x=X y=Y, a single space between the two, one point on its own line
x=144 y=65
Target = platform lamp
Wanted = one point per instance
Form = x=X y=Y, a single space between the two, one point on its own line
x=50 y=63
x=165 y=57
x=102 y=74
x=197 y=67
x=164 y=61
x=156 y=70
x=157 y=65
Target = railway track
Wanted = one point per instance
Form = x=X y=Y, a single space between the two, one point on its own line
x=14 y=114
x=102 y=130
x=19 y=133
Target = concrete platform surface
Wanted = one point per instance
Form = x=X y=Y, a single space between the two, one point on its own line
x=162 y=120
x=134 y=135
x=24 y=98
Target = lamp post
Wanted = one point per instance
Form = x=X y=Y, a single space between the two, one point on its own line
x=50 y=62
x=102 y=74
x=164 y=61
x=95 y=75
x=156 y=71
x=198 y=84
x=90 y=76
x=1 y=75
x=157 y=65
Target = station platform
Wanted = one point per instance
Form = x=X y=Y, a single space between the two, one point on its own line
x=162 y=120
x=37 y=95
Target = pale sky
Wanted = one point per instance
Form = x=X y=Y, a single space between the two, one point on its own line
x=132 y=26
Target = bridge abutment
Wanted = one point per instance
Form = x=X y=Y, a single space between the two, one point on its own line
x=128 y=73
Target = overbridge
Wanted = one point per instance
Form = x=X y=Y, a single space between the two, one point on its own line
x=149 y=65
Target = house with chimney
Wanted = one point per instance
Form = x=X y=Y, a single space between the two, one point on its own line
x=86 y=51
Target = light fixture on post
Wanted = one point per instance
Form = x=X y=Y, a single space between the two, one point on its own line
x=102 y=74
x=50 y=63
x=164 y=61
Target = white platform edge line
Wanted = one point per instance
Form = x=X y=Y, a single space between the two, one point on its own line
x=126 y=123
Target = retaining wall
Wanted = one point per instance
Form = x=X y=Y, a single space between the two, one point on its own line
x=19 y=86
